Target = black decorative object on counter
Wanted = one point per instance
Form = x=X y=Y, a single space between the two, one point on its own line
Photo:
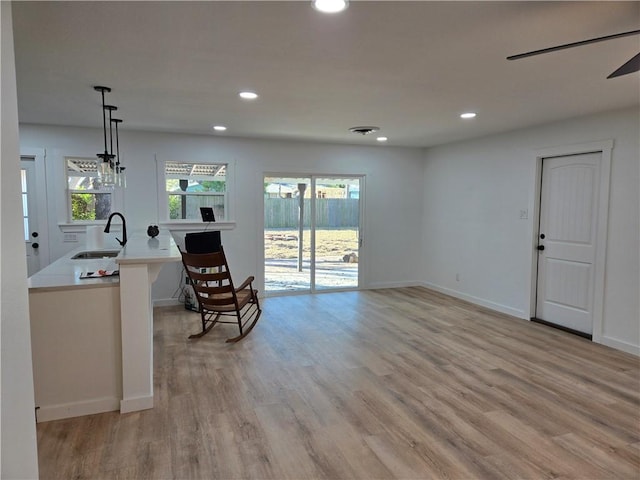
x=153 y=231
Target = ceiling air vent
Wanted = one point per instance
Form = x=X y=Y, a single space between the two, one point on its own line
x=364 y=130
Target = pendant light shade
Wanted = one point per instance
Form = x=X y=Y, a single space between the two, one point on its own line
x=122 y=179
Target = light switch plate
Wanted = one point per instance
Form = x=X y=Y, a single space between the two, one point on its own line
x=70 y=238
x=524 y=214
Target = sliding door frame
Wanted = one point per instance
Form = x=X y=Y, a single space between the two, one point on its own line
x=313 y=177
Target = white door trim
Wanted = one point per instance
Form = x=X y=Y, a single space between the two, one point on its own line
x=605 y=147
x=39 y=156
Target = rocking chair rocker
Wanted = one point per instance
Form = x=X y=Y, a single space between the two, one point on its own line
x=217 y=297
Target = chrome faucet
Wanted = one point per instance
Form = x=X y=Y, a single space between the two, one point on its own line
x=124 y=228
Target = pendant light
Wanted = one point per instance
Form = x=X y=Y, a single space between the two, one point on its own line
x=110 y=171
x=105 y=170
x=120 y=179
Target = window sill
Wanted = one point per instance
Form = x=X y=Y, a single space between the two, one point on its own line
x=78 y=227
x=175 y=226
x=187 y=226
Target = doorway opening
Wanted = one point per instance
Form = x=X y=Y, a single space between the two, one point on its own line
x=312 y=233
x=34 y=218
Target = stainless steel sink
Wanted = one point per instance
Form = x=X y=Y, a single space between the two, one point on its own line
x=95 y=254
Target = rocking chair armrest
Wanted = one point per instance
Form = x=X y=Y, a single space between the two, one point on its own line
x=245 y=284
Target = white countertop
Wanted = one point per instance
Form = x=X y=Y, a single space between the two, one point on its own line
x=142 y=249
x=65 y=273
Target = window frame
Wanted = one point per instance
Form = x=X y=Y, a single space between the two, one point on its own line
x=190 y=224
x=115 y=193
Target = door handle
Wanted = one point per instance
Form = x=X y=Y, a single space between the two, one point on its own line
x=540 y=247
x=35 y=245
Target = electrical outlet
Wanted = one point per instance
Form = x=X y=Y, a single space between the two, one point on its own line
x=524 y=214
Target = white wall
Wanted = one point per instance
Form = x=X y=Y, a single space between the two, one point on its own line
x=473 y=194
x=393 y=197
x=471 y=198
x=18 y=448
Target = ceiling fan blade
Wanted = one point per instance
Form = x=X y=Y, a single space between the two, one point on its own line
x=574 y=44
x=631 y=66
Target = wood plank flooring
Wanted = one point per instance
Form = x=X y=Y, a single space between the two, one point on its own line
x=383 y=384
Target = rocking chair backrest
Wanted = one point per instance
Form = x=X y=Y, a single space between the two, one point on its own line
x=211 y=280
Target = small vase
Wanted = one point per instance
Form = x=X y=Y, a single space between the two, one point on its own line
x=153 y=231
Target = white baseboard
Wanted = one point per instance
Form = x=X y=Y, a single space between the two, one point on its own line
x=620 y=345
x=77 y=409
x=136 y=403
x=514 y=312
x=374 y=286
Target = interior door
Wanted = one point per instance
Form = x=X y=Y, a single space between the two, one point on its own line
x=31 y=230
x=567 y=241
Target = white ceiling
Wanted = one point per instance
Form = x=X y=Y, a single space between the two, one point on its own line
x=408 y=67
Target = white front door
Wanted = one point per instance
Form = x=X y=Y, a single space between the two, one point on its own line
x=567 y=240
x=32 y=234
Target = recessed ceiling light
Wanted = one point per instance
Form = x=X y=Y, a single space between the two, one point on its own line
x=382 y=139
x=219 y=128
x=468 y=115
x=330 y=6
x=248 y=95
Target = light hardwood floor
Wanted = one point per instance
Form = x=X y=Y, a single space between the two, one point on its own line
x=385 y=384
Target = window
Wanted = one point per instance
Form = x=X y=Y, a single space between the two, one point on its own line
x=87 y=198
x=25 y=204
x=190 y=186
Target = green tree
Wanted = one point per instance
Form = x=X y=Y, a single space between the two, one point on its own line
x=82 y=206
x=174 y=207
x=212 y=185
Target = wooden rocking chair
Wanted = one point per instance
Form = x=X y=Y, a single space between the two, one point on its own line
x=217 y=297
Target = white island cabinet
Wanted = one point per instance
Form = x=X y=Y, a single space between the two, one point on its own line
x=92 y=340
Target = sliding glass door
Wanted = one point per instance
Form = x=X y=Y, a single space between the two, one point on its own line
x=312 y=233
x=287 y=234
x=337 y=232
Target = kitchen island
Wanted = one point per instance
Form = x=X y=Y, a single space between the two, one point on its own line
x=92 y=339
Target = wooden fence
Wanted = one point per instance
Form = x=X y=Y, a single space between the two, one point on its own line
x=330 y=213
